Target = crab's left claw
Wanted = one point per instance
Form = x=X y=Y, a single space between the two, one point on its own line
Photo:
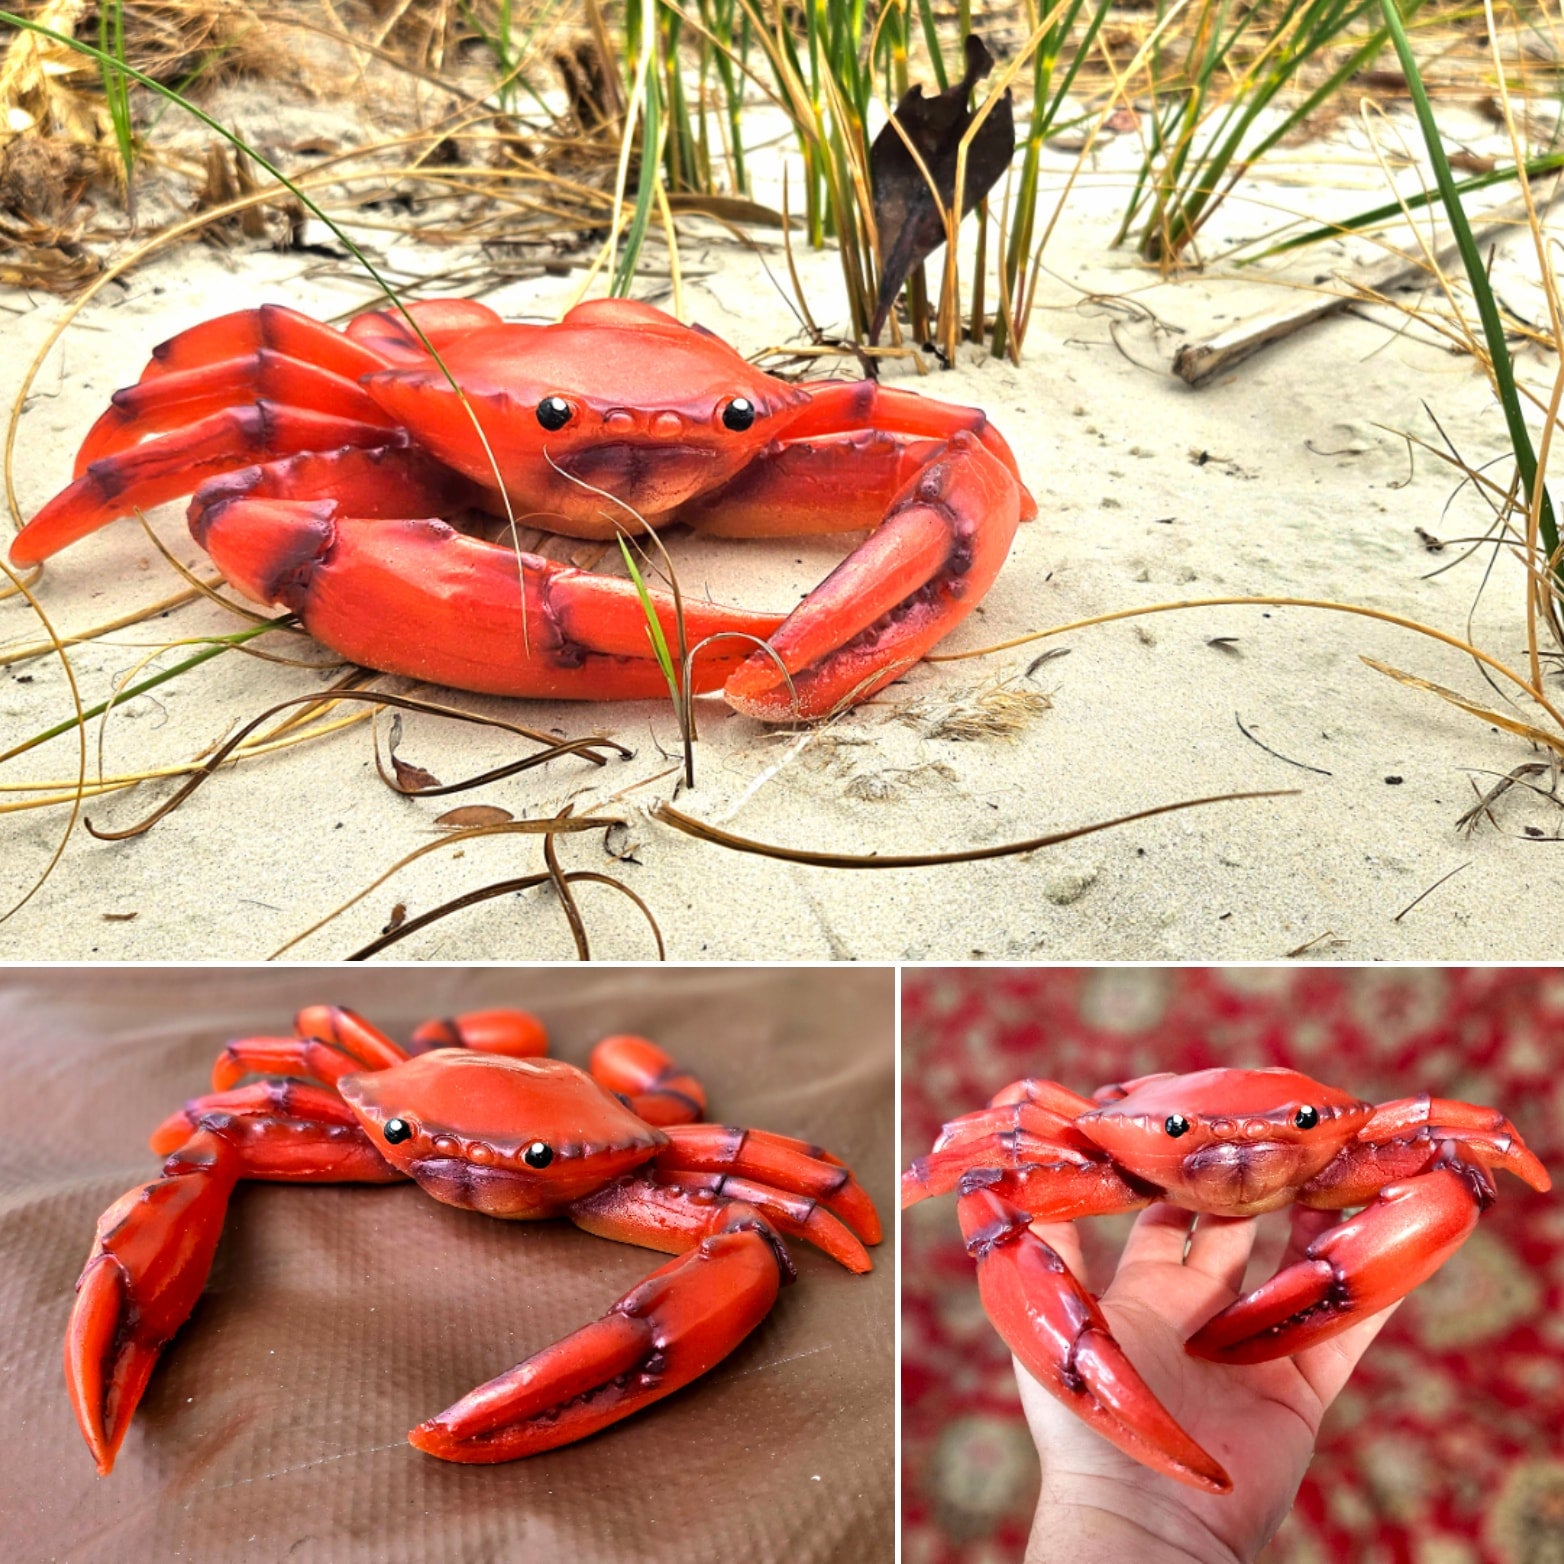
x=683 y=1319
x=906 y=587
x=1352 y=1270
x=1061 y=1337
x=149 y=1262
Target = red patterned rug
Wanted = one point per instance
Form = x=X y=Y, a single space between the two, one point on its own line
x=1448 y=1445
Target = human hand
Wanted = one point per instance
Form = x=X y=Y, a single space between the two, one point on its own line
x=1101 y=1506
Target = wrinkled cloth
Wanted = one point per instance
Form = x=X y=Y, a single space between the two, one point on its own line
x=1446 y=1446
x=339 y=1316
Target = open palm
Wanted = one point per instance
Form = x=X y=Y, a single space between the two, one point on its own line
x=1259 y=1421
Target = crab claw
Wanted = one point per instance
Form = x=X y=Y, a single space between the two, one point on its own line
x=907 y=586
x=682 y=1320
x=1352 y=1270
x=149 y=1263
x=1053 y=1325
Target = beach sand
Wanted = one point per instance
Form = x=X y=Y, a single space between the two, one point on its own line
x=1291 y=475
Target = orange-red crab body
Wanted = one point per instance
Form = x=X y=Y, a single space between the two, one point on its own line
x=472 y=1113
x=1226 y=1142
x=328 y=464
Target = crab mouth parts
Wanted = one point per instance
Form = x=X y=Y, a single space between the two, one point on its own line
x=1242 y=1176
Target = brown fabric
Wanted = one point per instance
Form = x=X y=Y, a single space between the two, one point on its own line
x=337 y=1317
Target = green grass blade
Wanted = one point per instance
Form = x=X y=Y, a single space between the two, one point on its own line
x=1535 y=169
x=654 y=628
x=220 y=644
x=1477 y=280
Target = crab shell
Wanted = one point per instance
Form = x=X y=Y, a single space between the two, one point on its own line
x=461 y=1112
x=1244 y=1150
x=645 y=414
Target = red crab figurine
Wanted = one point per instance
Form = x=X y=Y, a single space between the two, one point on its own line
x=475 y=1115
x=1229 y=1142
x=616 y=416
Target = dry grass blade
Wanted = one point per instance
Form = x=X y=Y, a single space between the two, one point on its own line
x=587 y=748
x=81 y=729
x=704 y=832
x=526 y=882
x=454 y=839
x=566 y=900
x=1525 y=730
x=553 y=748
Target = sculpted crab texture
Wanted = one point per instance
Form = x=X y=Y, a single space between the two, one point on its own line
x=326 y=467
x=1231 y=1143
x=508 y=1137
x=480 y=1120
x=1269 y=1134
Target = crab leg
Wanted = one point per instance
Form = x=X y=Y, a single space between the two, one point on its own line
x=272 y=326
x=172 y=400
x=1027 y=1122
x=512 y=1032
x=1056 y=1330
x=685 y=1317
x=154 y=1248
x=1353 y=1270
x=453 y=609
x=276 y=1099
x=349 y=1031
x=304 y=1056
x=654 y=1086
x=669 y=1210
x=779 y=1160
x=170 y=465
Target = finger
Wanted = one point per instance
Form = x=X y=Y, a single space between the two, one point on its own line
x=1158 y=1237
x=1220 y=1248
x=1328 y=1365
x=1305 y=1227
x=1065 y=1242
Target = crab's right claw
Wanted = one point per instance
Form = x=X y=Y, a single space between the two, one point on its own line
x=148 y=1265
x=685 y=1317
x=1053 y=1325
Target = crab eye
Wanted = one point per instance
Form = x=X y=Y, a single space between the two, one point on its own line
x=553 y=412
x=1176 y=1124
x=398 y=1130
x=1306 y=1118
x=538 y=1155
x=738 y=415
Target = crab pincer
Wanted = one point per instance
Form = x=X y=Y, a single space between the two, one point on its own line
x=669 y=1330
x=1054 y=1326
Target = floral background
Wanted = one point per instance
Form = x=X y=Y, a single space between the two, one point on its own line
x=1448 y=1445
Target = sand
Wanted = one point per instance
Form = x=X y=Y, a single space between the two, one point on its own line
x=1291 y=475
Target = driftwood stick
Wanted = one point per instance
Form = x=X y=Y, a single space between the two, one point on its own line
x=1198 y=363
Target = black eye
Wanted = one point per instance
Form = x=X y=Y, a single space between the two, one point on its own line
x=1176 y=1124
x=1306 y=1118
x=739 y=414
x=553 y=412
x=538 y=1155
x=398 y=1130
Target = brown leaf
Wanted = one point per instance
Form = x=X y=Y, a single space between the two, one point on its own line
x=910 y=224
x=474 y=814
x=1473 y=162
x=397 y=919
x=410 y=778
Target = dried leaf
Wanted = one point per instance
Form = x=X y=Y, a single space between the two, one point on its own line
x=911 y=225
x=473 y=814
x=410 y=778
